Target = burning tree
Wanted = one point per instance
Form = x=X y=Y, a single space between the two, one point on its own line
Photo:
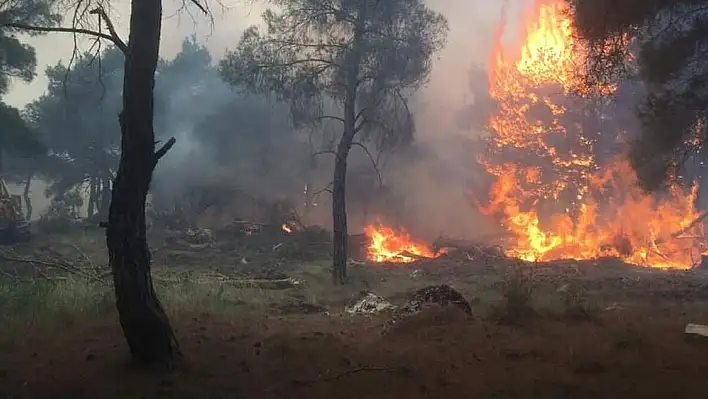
x=555 y=187
x=144 y=322
x=663 y=42
x=350 y=61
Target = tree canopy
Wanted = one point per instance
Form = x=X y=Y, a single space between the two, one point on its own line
x=18 y=60
x=76 y=119
x=305 y=52
x=663 y=43
x=352 y=61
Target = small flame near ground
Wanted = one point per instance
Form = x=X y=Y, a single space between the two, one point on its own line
x=286 y=228
x=388 y=245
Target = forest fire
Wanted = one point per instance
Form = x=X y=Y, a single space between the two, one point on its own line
x=550 y=189
x=387 y=245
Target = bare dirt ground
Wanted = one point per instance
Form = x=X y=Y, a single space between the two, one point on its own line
x=598 y=329
x=635 y=353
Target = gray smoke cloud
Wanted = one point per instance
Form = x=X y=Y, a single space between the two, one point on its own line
x=432 y=178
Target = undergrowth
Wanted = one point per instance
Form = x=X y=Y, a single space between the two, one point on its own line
x=517 y=290
x=59 y=302
x=50 y=304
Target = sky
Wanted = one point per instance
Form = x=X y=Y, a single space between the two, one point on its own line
x=470 y=21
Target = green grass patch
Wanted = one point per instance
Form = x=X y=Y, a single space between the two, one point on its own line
x=191 y=293
x=58 y=302
x=67 y=300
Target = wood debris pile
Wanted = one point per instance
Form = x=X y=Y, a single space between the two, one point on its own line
x=472 y=250
x=441 y=296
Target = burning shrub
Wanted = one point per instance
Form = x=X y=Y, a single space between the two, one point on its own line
x=389 y=245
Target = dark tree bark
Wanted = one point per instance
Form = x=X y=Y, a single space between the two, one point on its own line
x=340 y=232
x=26 y=196
x=309 y=194
x=104 y=200
x=92 y=198
x=144 y=322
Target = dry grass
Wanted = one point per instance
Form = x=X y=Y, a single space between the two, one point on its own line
x=578 y=304
x=60 y=334
x=49 y=303
x=517 y=288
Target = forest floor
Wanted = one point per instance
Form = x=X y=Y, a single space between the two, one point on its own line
x=593 y=329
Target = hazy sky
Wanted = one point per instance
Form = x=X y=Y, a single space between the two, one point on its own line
x=471 y=22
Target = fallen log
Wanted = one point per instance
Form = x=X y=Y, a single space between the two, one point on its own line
x=265 y=284
x=679 y=234
x=690 y=225
x=474 y=248
x=413 y=256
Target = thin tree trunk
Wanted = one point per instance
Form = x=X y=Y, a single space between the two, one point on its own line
x=340 y=231
x=309 y=195
x=26 y=195
x=144 y=322
x=104 y=203
x=92 y=198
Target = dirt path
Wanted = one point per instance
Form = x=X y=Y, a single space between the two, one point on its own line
x=436 y=354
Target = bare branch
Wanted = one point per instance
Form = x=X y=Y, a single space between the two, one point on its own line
x=371 y=158
x=298 y=62
x=201 y=7
x=327 y=188
x=118 y=43
x=111 y=29
x=163 y=150
x=324 y=152
x=330 y=117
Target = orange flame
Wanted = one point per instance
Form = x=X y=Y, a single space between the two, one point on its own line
x=286 y=228
x=633 y=226
x=387 y=245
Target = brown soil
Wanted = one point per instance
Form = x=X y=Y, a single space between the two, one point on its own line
x=436 y=354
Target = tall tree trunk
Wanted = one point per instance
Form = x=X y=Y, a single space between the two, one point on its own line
x=104 y=203
x=26 y=196
x=309 y=194
x=144 y=322
x=340 y=231
x=92 y=198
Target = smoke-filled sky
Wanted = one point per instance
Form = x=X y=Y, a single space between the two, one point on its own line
x=439 y=177
x=471 y=24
